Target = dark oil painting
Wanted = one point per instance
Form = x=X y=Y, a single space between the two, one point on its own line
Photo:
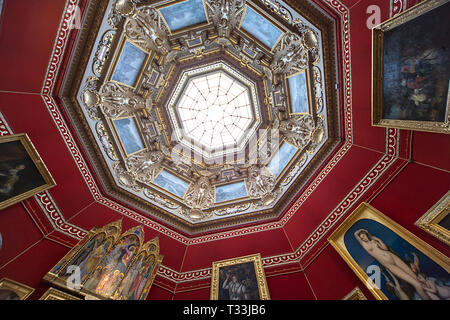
x=238 y=282
x=18 y=173
x=417 y=68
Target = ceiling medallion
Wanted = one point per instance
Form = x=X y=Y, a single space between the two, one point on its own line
x=206 y=109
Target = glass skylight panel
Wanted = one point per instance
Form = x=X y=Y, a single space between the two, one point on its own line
x=214 y=108
x=231 y=191
x=261 y=28
x=184 y=14
x=129 y=64
x=171 y=183
x=129 y=135
x=282 y=158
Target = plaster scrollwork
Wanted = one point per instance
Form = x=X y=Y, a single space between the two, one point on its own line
x=126 y=178
x=146 y=29
x=199 y=196
x=296 y=51
x=279 y=9
x=290 y=54
x=260 y=183
x=120 y=10
x=302 y=131
x=91 y=98
x=113 y=99
x=160 y=200
x=102 y=53
x=225 y=15
x=231 y=209
x=293 y=173
x=145 y=166
x=102 y=134
x=268 y=198
x=118 y=100
x=317 y=135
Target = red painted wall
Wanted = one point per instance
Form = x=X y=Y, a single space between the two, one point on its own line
x=31 y=248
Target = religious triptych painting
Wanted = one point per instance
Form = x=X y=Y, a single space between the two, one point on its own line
x=411 y=69
x=109 y=265
x=392 y=262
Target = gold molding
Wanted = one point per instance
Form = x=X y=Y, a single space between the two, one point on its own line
x=259 y=271
x=22 y=291
x=430 y=220
x=31 y=151
x=378 y=78
x=355 y=294
x=366 y=211
x=55 y=294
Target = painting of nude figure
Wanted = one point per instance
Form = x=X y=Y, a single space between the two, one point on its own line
x=390 y=260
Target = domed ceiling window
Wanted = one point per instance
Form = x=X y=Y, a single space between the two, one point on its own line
x=214 y=110
x=207 y=113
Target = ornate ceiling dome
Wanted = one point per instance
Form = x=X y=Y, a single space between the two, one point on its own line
x=206 y=114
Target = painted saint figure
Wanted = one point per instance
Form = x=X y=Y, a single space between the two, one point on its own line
x=236 y=289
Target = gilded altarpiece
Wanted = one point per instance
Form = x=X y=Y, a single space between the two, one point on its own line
x=109 y=264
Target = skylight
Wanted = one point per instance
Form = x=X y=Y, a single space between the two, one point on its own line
x=215 y=110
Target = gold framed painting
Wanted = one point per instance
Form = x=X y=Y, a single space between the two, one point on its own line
x=392 y=262
x=410 y=74
x=54 y=294
x=13 y=290
x=240 y=278
x=22 y=171
x=436 y=221
x=355 y=294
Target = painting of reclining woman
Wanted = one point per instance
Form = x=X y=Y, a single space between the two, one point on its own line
x=391 y=261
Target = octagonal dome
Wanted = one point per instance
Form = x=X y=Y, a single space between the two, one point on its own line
x=214 y=110
x=207 y=126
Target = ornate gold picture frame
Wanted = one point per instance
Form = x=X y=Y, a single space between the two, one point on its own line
x=54 y=294
x=13 y=290
x=410 y=74
x=240 y=278
x=355 y=294
x=95 y=258
x=22 y=171
x=392 y=262
x=435 y=220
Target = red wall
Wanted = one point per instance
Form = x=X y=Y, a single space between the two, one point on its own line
x=31 y=247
